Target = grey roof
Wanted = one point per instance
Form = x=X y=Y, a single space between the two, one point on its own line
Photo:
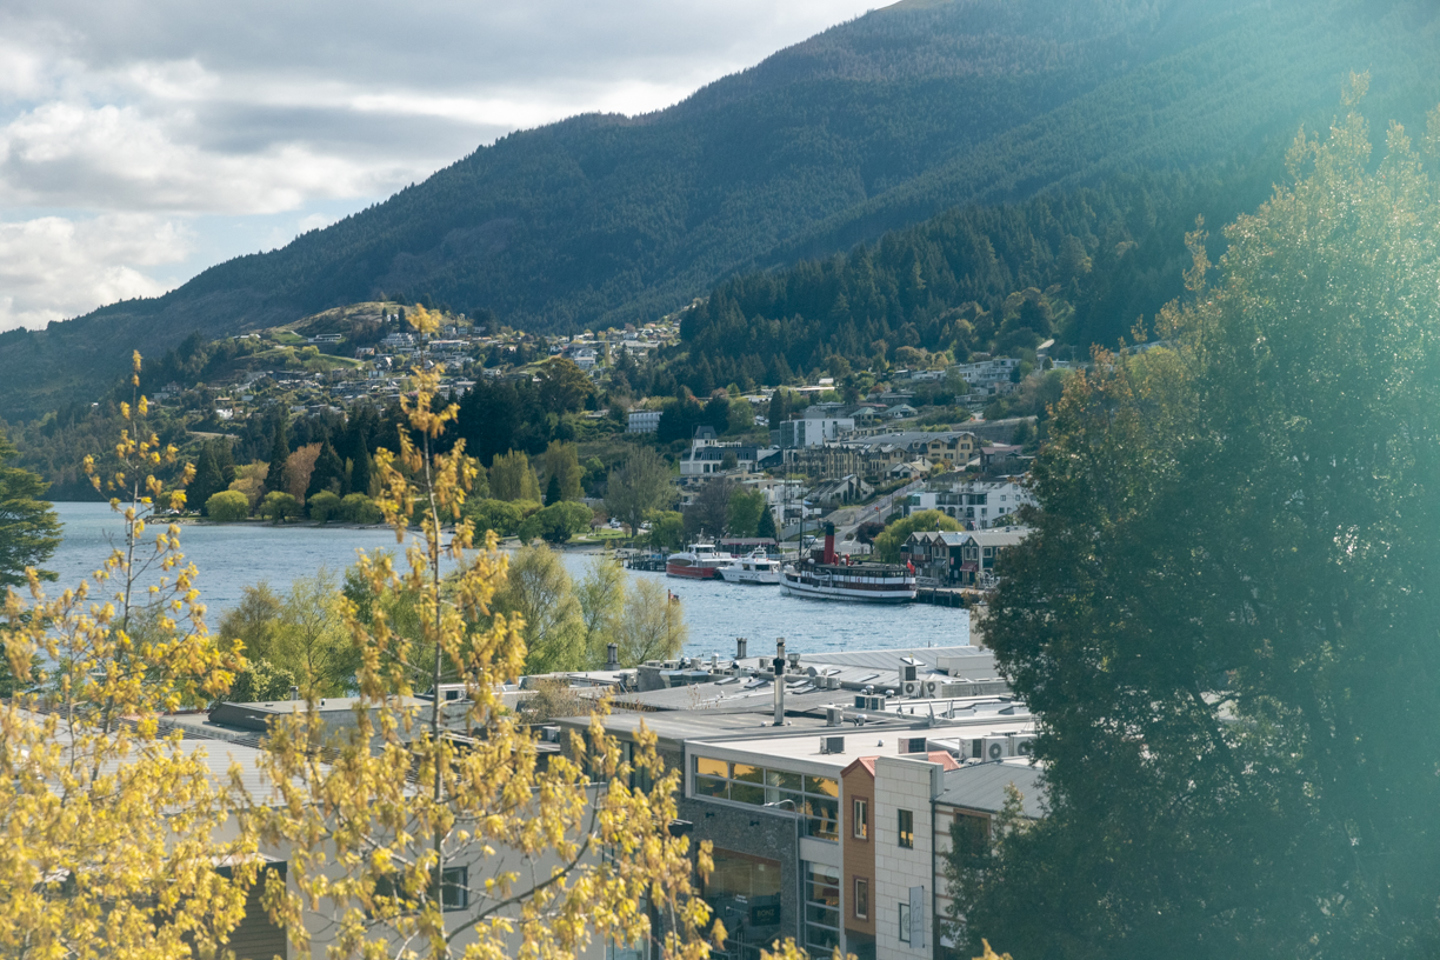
x=981 y=786
x=1008 y=537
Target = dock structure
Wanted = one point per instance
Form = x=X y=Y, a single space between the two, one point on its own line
x=641 y=560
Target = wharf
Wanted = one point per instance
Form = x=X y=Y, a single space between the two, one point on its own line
x=939 y=596
x=641 y=560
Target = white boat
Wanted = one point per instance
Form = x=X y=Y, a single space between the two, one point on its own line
x=699 y=561
x=824 y=577
x=756 y=568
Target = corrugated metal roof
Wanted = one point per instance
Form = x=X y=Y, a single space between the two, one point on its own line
x=981 y=786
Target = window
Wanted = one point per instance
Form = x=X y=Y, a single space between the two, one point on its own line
x=822 y=908
x=861 y=818
x=455 y=888
x=907 y=829
x=904 y=923
x=817 y=799
x=862 y=898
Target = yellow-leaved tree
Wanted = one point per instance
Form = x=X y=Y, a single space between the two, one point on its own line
x=113 y=834
x=431 y=828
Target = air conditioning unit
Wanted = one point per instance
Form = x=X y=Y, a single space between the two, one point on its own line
x=832 y=745
x=450 y=692
x=1022 y=745
x=912 y=745
x=994 y=748
x=913 y=688
x=932 y=688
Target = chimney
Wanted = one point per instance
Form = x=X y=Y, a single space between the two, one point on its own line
x=742 y=648
x=779 y=682
x=294 y=692
x=612 y=656
x=829 y=543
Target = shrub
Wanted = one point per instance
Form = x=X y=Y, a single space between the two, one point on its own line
x=502 y=516
x=358 y=508
x=557 y=523
x=227 y=506
x=279 y=507
x=323 y=507
x=888 y=543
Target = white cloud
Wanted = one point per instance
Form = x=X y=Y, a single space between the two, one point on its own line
x=150 y=115
x=120 y=158
x=52 y=268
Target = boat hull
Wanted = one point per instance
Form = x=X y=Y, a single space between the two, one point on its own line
x=692 y=572
x=759 y=578
x=853 y=593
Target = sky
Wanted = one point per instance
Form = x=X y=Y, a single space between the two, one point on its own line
x=141 y=142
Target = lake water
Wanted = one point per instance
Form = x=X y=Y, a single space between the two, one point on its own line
x=233 y=556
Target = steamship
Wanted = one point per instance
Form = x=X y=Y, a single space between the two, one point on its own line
x=823 y=577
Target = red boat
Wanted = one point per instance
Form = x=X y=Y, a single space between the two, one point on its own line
x=699 y=561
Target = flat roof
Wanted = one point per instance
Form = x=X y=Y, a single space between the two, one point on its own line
x=803 y=751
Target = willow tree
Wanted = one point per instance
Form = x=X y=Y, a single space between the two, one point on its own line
x=113 y=832
x=1227 y=620
x=431 y=828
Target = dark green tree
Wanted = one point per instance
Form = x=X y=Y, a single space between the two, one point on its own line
x=329 y=472
x=29 y=529
x=360 y=471
x=766 y=526
x=1226 y=618
x=779 y=408
x=552 y=491
x=279 y=453
x=209 y=479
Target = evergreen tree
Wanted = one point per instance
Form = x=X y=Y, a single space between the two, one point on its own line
x=1226 y=617
x=779 y=408
x=208 y=478
x=766 y=527
x=225 y=459
x=329 y=471
x=29 y=529
x=279 y=453
x=360 y=471
x=552 y=491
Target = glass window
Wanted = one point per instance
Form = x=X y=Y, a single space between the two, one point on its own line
x=904 y=923
x=823 y=786
x=749 y=773
x=860 y=817
x=455 y=888
x=711 y=768
x=862 y=898
x=907 y=828
x=710 y=787
x=747 y=793
x=822 y=818
x=783 y=780
x=822 y=908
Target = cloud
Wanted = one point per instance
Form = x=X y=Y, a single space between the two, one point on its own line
x=52 y=268
x=122 y=110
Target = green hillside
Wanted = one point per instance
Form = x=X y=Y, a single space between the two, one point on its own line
x=877 y=124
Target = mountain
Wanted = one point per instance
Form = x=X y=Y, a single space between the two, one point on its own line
x=873 y=125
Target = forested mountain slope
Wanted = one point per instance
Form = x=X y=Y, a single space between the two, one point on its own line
x=878 y=123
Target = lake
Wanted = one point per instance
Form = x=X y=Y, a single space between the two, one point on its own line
x=233 y=556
